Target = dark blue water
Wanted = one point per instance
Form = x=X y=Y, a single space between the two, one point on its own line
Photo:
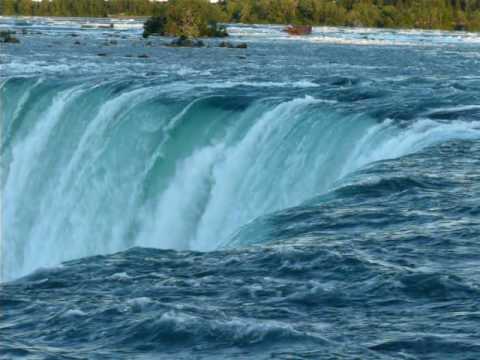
x=308 y=198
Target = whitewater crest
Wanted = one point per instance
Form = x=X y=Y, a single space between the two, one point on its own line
x=92 y=169
x=302 y=199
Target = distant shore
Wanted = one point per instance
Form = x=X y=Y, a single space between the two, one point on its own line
x=144 y=18
x=429 y=15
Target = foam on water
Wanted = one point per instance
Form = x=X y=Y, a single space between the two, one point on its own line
x=337 y=185
x=183 y=149
x=297 y=145
x=359 y=36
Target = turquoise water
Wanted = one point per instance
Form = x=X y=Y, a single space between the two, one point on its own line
x=310 y=197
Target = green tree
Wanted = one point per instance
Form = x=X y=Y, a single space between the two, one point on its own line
x=198 y=16
x=44 y=8
x=25 y=7
x=191 y=18
x=306 y=10
x=7 y=7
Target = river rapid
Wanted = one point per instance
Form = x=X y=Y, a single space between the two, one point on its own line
x=306 y=198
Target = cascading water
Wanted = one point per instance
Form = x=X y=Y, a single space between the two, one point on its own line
x=306 y=197
x=97 y=168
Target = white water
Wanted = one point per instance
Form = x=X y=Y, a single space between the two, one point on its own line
x=75 y=178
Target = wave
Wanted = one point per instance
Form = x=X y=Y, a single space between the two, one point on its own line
x=93 y=168
x=181 y=329
x=253 y=303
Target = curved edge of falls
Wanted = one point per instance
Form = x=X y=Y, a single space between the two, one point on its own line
x=93 y=170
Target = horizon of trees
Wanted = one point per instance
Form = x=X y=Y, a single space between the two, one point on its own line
x=79 y=8
x=425 y=14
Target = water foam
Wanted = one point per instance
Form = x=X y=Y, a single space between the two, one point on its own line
x=85 y=180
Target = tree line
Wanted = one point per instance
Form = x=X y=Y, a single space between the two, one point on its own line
x=79 y=8
x=426 y=14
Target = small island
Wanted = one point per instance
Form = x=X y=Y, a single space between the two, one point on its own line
x=187 y=19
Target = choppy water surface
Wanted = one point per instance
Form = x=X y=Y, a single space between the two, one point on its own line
x=306 y=198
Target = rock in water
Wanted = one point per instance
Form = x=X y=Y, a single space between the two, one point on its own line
x=8 y=37
x=184 y=41
x=11 y=39
x=225 y=44
x=298 y=29
x=229 y=45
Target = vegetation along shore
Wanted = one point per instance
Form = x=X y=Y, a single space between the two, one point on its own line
x=424 y=14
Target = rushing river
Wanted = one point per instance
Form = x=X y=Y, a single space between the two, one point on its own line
x=306 y=198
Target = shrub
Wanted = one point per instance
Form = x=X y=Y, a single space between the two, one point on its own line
x=154 y=25
x=191 y=18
